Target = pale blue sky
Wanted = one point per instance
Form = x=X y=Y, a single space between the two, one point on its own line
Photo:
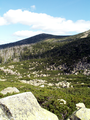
x=20 y=19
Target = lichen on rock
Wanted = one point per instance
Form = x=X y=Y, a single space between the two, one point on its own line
x=23 y=106
x=82 y=113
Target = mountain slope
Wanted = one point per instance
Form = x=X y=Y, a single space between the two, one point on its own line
x=71 y=53
x=61 y=52
x=31 y=40
x=53 y=69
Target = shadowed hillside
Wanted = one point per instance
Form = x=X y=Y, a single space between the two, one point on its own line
x=65 y=51
x=31 y=40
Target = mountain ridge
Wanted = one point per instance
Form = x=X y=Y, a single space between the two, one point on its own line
x=43 y=36
x=65 y=51
x=31 y=40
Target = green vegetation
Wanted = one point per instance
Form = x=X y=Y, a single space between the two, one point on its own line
x=50 y=61
x=49 y=96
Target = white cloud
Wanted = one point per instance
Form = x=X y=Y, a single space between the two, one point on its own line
x=26 y=33
x=43 y=22
x=2 y=21
x=33 y=7
x=2 y=42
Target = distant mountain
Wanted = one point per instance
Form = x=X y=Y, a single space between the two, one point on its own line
x=31 y=40
x=66 y=53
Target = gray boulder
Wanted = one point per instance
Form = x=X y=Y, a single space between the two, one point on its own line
x=82 y=113
x=10 y=90
x=23 y=106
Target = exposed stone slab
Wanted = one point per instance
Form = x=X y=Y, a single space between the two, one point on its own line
x=10 y=90
x=82 y=113
x=80 y=105
x=23 y=106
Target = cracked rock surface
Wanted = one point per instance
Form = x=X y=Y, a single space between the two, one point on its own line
x=23 y=106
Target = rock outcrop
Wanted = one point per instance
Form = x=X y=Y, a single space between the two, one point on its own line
x=10 y=90
x=62 y=101
x=63 y=84
x=23 y=106
x=82 y=113
x=34 y=82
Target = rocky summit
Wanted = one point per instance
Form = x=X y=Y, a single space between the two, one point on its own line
x=23 y=106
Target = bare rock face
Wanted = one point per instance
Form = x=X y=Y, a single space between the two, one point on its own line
x=10 y=90
x=80 y=105
x=23 y=106
x=82 y=113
